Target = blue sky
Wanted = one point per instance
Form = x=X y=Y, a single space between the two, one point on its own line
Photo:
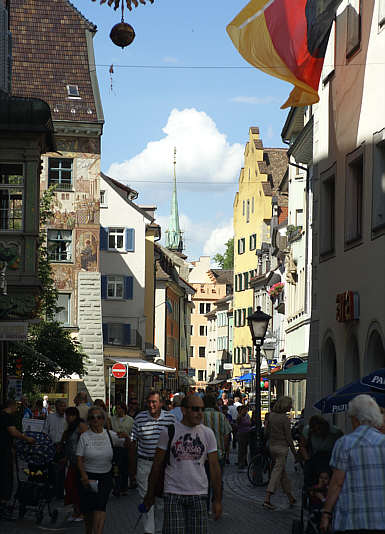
x=206 y=113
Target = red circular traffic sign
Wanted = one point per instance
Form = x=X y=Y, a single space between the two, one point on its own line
x=118 y=370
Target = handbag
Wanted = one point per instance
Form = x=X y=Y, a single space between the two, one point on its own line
x=159 y=488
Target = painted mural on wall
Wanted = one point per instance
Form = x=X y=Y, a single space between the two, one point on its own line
x=87 y=245
x=77 y=210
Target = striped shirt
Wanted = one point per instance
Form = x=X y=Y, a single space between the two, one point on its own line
x=360 y=504
x=219 y=425
x=146 y=431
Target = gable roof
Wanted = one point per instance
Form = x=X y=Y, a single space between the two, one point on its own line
x=52 y=48
x=123 y=191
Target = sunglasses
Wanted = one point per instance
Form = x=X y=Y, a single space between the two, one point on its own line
x=96 y=417
x=197 y=408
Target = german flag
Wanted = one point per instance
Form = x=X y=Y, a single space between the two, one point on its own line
x=286 y=39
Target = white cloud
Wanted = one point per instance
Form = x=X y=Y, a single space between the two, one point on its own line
x=170 y=59
x=196 y=232
x=203 y=153
x=270 y=132
x=254 y=100
x=217 y=239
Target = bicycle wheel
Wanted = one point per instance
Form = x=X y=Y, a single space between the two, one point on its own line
x=258 y=471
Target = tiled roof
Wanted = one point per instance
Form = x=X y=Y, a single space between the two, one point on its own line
x=262 y=167
x=254 y=129
x=276 y=161
x=258 y=144
x=49 y=49
x=224 y=276
x=268 y=192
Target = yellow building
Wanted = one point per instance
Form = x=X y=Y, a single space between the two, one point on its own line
x=252 y=216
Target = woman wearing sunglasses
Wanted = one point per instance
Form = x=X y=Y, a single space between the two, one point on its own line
x=94 y=457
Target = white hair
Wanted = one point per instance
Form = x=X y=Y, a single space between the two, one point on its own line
x=366 y=410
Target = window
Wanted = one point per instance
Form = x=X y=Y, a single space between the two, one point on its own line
x=117 y=287
x=241 y=245
x=243 y=208
x=243 y=354
x=191 y=330
x=201 y=375
x=299 y=218
x=63 y=303
x=353 y=38
x=246 y=280
x=378 y=181
x=11 y=197
x=249 y=354
x=103 y=199
x=59 y=245
x=253 y=242
x=117 y=334
x=208 y=308
x=202 y=352
x=327 y=216
x=60 y=173
x=248 y=211
x=191 y=352
x=73 y=91
x=116 y=238
x=203 y=330
x=353 y=200
x=202 y=308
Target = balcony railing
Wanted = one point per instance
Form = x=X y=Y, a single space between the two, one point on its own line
x=61 y=186
x=60 y=256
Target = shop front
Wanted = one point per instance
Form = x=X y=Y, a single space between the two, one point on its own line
x=128 y=378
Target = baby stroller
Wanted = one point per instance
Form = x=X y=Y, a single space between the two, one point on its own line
x=34 y=490
x=313 y=497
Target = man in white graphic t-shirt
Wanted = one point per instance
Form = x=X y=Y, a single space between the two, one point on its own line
x=185 y=481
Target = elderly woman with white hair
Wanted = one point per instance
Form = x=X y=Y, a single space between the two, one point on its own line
x=356 y=496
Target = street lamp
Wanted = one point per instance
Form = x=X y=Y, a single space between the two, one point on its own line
x=258 y=323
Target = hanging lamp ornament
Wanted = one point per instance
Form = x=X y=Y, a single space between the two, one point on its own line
x=116 y=3
x=122 y=34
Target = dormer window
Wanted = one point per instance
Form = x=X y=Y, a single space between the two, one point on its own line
x=73 y=91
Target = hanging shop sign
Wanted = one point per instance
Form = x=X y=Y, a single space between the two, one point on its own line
x=347 y=306
x=118 y=370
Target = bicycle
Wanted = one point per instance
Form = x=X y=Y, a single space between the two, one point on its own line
x=260 y=466
x=259 y=469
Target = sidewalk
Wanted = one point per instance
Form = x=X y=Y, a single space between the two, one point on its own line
x=242 y=511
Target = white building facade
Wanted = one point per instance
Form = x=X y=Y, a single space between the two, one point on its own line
x=347 y=338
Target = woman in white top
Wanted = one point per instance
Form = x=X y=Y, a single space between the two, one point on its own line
x=94 y=456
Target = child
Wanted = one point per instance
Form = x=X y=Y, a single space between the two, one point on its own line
x=318 y=493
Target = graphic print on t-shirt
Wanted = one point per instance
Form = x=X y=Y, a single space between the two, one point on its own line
x=186 y=447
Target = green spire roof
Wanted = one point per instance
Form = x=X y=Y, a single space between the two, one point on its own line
x=174 y=239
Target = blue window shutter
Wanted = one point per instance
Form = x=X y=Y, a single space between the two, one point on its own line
x=104 y=286
x=130 y=239
x=105 y=333
x=127 y=334
x=128 y=287
x=103 y=238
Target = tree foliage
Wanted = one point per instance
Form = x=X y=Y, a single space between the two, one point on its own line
x=48 y=355
x=226 y=260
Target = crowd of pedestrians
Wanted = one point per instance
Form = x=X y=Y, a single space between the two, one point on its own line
x=174 y=452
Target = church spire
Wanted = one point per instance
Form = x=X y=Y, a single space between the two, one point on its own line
x=174 y=239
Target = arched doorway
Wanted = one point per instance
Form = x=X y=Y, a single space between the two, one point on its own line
x=329 y=367
x=352 y=361
x=375 y=353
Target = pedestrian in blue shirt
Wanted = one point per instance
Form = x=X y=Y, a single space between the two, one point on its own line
x=356 y=494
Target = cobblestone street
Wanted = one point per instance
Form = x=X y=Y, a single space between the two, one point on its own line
x=242 y=511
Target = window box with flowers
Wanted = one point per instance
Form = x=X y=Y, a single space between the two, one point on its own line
x=275 y=290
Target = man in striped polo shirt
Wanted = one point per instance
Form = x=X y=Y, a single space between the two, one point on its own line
x=145 y=435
